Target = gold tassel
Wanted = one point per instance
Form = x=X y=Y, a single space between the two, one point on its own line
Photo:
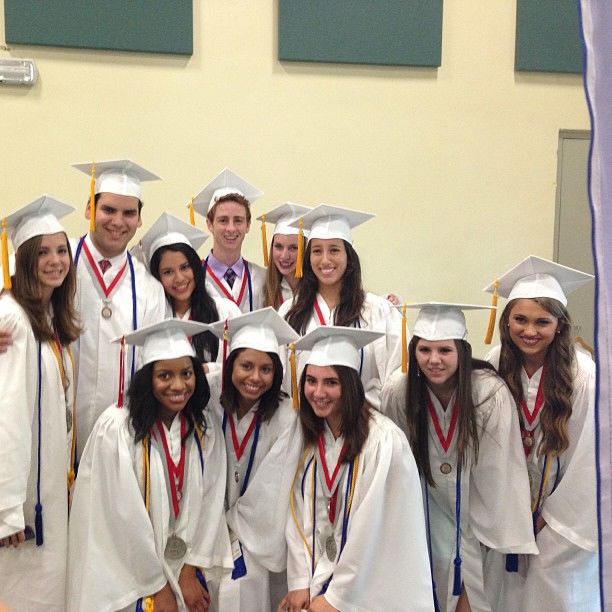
x=264 y=241
x=148 y=605
x=404 y=342
x=492 y=314
x=6 y=273
x=92 y=198
x=299 y=268
x=294 y=385
x=191 y=212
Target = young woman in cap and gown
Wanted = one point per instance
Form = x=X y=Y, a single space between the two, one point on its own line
x=147 y=514
x=37 y=380
x=331 y=293
x=226 y=204
x=170 y=251
x=458 y=416
x=115 y=292
x=553 y=386
x=260 y=427
x=281 y=259
x=355 y=531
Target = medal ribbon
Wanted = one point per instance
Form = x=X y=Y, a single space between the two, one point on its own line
x=239 y=447
x=222 y=287
x=176 y=473
x=330 y=480
x=445 y=441
x=531 y=415
x=320 y=316
x=107 y=290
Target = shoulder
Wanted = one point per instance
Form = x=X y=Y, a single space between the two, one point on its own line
x=284 y=416
x=377 y=310
x=284 y=309
x=12 y=315
x=396 y=383
x=226 y=308
x=486 y=383
x=493 y=356
x=256 y=270
x=377 y=302
x=384 y=436
x=584 y=364
x=142 y=273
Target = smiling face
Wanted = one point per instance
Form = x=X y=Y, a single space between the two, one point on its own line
x=328 y=260
x=532 y=329
x=117 y=219
x=438 y=361
x=229 y=226
x=53 y=262
x=252 y=375
x=323 y=391
x=173 y=384
x=176 y=276
x=284 y=253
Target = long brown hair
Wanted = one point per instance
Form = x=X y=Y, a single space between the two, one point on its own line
x=273 y=282
x=352 y=295
x=417 y=413
x=355 y=412
x=558 y=381
x=27 y=293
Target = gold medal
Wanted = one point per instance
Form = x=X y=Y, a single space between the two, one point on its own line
x=330 y=548
x=175 y=548
x=446 y=468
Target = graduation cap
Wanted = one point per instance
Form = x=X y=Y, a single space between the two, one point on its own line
x=535 y=277
x=333 y=345
x=169 y=229
x=225 y=183
x=283 y=216
x=442 y=320
x=34 y=219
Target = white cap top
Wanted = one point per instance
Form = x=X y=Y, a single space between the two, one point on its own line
x=284 y=216
x=167 y=339
x=262 y=330
x=169 y=229
x=225 y=183
x=332 y=345
x=536 y=277
x=327 y=221
x=36 y=218
x=119 y=176
x=442 y=320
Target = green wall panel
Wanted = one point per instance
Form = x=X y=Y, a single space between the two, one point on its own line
x=392 y=32
x=157 y=26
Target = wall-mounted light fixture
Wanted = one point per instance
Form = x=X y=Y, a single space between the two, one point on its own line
x=17 y=71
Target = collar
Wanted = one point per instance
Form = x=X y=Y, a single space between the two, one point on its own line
x=116 y=262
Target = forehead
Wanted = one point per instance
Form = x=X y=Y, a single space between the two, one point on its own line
x=172 y=258
x=436 y=344
x=119 y=202
x=258 y=357
x=327 y=242
x=57 y=239
x=229 y=208
x=178 y=363
x=285 y=239
x=321 y=371
x=530 y=308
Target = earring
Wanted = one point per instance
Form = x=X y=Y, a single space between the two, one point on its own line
x=418 y=372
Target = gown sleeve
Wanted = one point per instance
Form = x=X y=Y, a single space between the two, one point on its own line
x=500 y=514
x=394 y=399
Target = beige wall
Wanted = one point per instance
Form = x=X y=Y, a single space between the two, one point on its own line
x=458 y=163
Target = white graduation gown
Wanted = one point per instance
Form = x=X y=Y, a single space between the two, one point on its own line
x=384 y=564
x=258 y=284
x=286 y=291
x=565 y=575
x=257 y=518
x=226 y=310
x=96 y=357
x=494 y=490
x=116 y=547
x=380 y=358
x=33 y=577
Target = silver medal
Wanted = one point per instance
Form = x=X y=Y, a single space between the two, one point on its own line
x=330 y=548
x=446 y=468
x=107 y=311
x=236 y=475
x=175 y=548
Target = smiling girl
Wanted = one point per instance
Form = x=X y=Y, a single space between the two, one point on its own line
x=458 y=416
x=553 y=388
x=331 y=293
x=260 y=426
x=36 y=408
x=147 y=515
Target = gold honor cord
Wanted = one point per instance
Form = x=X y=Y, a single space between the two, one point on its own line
x=296 y=520
x=264 y=241
x=92 y=198
x=6 y=274
x=492 y=314
x=404 y=342
x=537 y=503
x=191 y=212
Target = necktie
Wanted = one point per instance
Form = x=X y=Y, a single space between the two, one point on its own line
x=230 y=277
x=104 y=265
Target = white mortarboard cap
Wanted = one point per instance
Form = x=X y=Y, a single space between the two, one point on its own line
x=327 y=221
x=332 y=345
x=119 y=176
x=442 y=320
x=167 y=339
x=536 y=277
x=284 y=216
x=225 y=183
x=263 y=330
x=169 y=229
x=36 y=218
